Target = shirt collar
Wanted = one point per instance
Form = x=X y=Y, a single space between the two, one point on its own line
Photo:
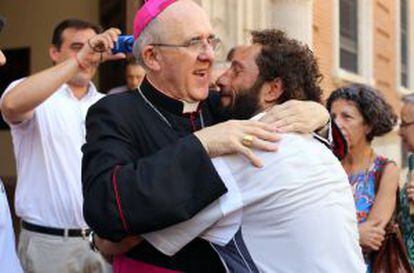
x=92 y=91
x=159 y=99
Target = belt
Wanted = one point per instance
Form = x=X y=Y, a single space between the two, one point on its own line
x=57 y=231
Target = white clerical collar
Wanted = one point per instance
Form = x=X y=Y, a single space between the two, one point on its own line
x=189 y=107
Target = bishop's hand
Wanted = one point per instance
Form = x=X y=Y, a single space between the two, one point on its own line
x=238 y=137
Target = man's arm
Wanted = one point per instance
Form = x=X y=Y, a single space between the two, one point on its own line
x=223 y=213
x=298 y=116
x=19 y=103
x=307 y=117
x=291 y=116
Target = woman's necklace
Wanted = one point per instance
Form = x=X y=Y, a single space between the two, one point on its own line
x=160 y=114
x=354 y=177
x=368 y=166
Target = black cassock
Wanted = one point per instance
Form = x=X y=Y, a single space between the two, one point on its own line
x=144 y=170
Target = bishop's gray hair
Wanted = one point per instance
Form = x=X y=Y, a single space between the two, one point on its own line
x=150 y=35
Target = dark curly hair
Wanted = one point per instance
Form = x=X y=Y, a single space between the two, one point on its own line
x=291 y=61
x=374 y=109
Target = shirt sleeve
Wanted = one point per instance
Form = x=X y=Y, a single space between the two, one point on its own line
x=217 y=223
x=21 y=126
x=129 y=193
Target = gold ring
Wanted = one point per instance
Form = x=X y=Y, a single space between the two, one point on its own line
x=247 y=140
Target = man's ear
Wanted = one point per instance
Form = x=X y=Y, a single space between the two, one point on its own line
x=273 y=90
x=54 y=53
x=151 y=58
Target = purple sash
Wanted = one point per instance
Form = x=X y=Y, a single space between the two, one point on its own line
x=123 y=264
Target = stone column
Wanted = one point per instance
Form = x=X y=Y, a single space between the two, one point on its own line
x=233 y=19
x=293 y=16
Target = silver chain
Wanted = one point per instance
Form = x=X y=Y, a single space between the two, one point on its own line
x=160 y=114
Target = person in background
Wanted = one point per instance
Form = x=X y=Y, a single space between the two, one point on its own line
x=46 y=113
x=362 y=114
x=134 y=74
x=405 y=215
x=8 y=258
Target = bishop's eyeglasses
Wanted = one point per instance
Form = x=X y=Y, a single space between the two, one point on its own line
x=196 y=44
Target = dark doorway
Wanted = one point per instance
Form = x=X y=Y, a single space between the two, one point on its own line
x=17 y=66
x=112 y=13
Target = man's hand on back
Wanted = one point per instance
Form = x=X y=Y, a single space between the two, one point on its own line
x=237 y=137
x=297 y=116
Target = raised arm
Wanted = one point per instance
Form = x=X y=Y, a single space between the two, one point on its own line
x=19 y=103
x=372 y=231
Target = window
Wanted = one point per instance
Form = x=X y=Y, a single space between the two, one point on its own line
x=404 y=46
x=353 y=41
x=17 y=67
x=349 y=35
x=112 y=13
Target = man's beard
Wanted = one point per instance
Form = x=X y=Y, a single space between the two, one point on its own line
x=246 y=102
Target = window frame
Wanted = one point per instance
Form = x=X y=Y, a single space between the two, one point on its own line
x=349 y=44
x=404 y=90
x=365 y=74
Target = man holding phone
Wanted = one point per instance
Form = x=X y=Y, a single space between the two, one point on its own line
x=46 y=113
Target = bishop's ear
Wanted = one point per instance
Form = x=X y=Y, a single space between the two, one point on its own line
x=54 y=54
x=151 y=58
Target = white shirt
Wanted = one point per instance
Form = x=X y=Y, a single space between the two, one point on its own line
x=8 y=259
x=298 y=212
x=48 y=155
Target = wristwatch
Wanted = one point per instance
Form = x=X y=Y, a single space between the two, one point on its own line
x=91 y=240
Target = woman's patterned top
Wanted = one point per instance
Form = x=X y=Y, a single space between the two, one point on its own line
x=363 y=188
